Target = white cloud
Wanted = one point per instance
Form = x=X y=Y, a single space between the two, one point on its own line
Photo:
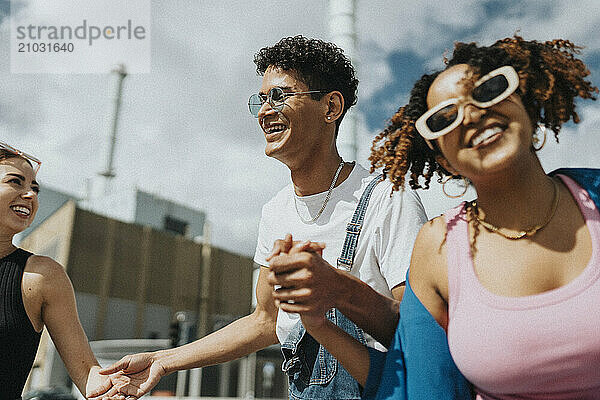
x=578 y=145
x=185 y=132
x=425 y=27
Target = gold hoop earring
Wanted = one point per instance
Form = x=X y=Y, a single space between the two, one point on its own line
x=453 y=177
x=536 y=139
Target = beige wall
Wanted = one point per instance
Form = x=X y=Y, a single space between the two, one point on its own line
x=52 y=237
x=113 y=261
x=230 y=283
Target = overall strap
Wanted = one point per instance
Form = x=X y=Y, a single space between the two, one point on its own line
x=346 y=259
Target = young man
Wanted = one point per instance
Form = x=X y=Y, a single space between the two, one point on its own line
x=308 y=85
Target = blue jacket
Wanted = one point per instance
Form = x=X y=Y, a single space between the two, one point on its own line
x=418 y=365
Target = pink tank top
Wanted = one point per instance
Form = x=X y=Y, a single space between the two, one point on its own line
x=544 y=346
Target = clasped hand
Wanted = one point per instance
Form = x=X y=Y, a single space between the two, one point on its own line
x=102 y=387
x=303 y=282
x=138 y=373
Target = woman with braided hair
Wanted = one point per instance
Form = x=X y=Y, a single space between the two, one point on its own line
x=511 y=278
x=513 y=275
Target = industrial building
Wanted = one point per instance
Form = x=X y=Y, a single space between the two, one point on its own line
x=134 y=274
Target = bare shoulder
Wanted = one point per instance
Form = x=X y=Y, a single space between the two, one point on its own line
x=434 y=229
x=44 y=281
x=429 y=252
x=46 y=267
x=428 y=274
x=48 y=276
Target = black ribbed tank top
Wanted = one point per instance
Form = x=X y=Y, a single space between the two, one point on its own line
x=18 y=339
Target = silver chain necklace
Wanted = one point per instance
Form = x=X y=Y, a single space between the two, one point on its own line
x=333 y=182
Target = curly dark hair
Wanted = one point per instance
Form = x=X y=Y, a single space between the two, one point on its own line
x=550 y=78
x=321 y=65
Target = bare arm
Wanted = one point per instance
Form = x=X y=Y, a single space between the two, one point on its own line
x=353 y=355
x=59 y=314
x=428 y=277
x=240 y=338
x=375 y=313
x=400 y=217
x=428 y=273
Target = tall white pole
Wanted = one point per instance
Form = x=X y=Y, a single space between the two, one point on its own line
x=342 y=27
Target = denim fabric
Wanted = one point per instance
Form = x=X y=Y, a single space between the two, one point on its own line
x=313 y=372
x=346 y=259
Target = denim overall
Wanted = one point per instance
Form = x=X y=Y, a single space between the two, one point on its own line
x=312 y=371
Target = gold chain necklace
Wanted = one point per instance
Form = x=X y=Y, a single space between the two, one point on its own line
x=333 y=182
x=524 y=233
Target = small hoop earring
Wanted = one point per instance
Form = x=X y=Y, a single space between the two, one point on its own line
x=450 y=178
x=536 y=139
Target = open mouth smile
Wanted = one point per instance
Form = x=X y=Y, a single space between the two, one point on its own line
x=273 y=131
x=486 y=136
x=274 y=128
x=21 y=211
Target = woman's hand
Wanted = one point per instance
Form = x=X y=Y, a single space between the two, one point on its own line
x=106 y=386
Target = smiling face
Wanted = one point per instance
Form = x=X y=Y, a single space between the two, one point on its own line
x=18 y=195
x=489 y=139
x=296 y=130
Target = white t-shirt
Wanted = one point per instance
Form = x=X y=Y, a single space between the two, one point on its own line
x=385 y=243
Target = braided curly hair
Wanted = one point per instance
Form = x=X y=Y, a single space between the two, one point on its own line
x=321 y=65
x=550 y=78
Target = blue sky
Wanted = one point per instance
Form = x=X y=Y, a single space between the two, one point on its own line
x=407 y=65
x=185 y=131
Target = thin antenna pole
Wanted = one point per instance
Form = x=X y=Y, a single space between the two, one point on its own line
x=109 y=172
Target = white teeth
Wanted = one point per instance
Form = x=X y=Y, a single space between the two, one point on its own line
x=486 y=134
x=275 y=128
x=21 y=210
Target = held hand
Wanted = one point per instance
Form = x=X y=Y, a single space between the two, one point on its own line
x=100 y=385
x=288 y=245
x=311 y=247
x=139 y=373
x=309 y=285
x=106 y=387
x=281 y=246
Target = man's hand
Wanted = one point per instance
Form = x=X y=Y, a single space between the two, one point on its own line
x=308 y=283
x=286 y=245
x=139 y=373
